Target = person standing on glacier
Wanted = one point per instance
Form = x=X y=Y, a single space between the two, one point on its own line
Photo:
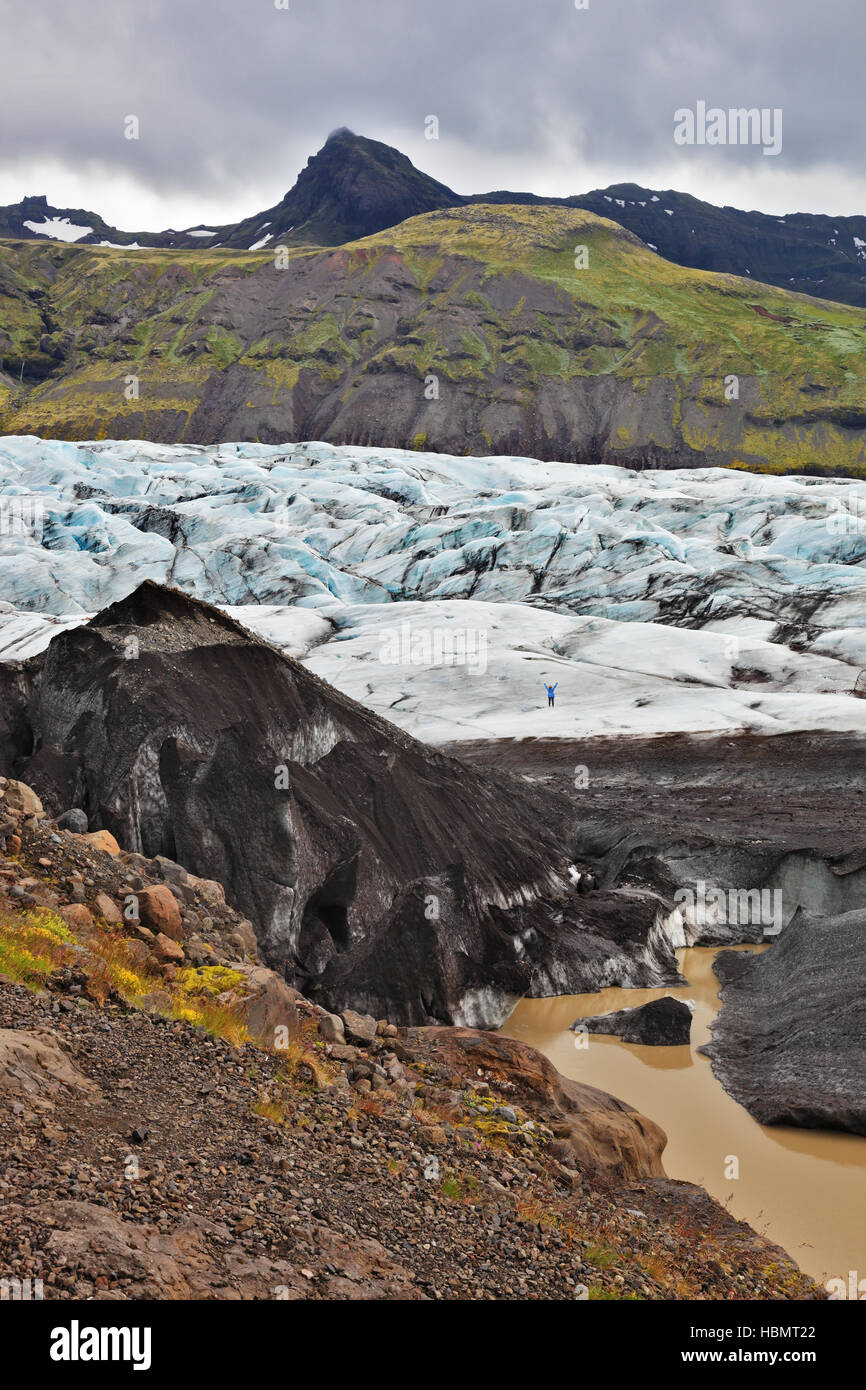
x=550 y=692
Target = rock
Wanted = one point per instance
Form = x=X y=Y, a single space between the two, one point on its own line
x=34 y=1065
x=790 y=1041
x=212 y=891
x=246 y=931
x=661 y=1023
x=13 y=844
x=139 y=930
x=359 y=1028
x=78 y=917
x=343 y=1052
x=331 y=1028
x=167 y=950
x=22 y=799
x=266 y=1006
x=104 y=840
x=241 y=944
x=74 y=820
x=107 y=909
x=158 y=910
x=172 y=872
x=157 y=1002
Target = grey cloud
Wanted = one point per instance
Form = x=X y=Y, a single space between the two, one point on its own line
x=231 y=93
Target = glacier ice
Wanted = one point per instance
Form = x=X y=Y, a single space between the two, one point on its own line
x=706 y=599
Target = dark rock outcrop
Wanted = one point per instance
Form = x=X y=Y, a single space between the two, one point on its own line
x=790 y=1041
x=661 y=1023
x=378 y=872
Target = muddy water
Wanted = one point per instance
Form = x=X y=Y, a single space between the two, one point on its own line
x=804 y=1189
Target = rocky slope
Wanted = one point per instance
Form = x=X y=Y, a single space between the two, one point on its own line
x=471 y=330
x=151 y=1148
x=377 y=871
x=790 y=1041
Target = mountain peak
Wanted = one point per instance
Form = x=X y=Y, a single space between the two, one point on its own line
x=351 y=188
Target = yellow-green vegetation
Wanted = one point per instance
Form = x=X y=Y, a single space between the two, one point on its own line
x=208 y=980
x=303 y=1061
x=458 y=1187
x=303 y=1069
x=32 y=945
x=35 y=943
x=602 y=1256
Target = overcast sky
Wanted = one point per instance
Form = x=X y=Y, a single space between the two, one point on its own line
x=232 y=96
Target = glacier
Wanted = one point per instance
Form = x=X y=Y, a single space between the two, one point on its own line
x=442 y=591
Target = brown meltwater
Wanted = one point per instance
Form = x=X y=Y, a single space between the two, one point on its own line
x=805 y=1189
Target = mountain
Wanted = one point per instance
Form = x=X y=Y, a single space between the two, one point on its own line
x=351 y=188
x=805 y=252
x=377 y=872
x=354 y=187
x=34 y=219
x=463 y=331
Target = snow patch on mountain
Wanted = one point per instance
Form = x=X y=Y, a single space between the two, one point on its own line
x=58 y=229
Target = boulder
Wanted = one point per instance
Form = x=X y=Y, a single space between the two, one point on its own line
x=22 y=799
x=74 y=820
x=106 y=908
x=212 y=891
x=331 y=1028
x=167 y=951
x=34 y=1065
x=244 y=937
x=104 y=840
x=661 y=1023
x=266 y=1006
x=359 y=1028
x=77 y=916
x=158 y=910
